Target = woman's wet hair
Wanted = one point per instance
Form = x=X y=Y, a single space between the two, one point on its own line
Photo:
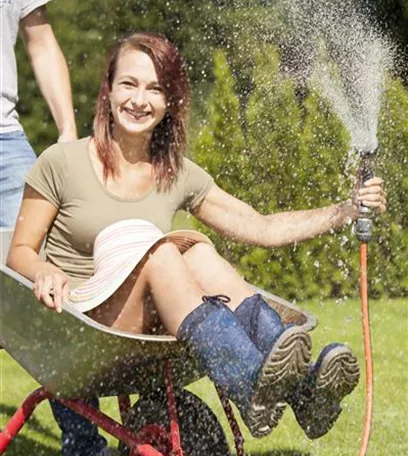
x=169 y=138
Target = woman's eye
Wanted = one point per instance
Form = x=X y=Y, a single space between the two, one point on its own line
x=126 y=83
x=157 y=89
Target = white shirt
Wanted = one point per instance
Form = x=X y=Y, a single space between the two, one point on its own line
x=11 y=13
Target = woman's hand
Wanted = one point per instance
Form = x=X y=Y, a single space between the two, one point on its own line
x=35 y=217
x=51 y=287
x=371 y=195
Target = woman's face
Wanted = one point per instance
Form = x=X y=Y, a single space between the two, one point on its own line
x=137 y=100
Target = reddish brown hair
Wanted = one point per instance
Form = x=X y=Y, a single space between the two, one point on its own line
x=169 y=139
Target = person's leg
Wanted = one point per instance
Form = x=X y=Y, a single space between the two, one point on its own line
x=262 y=324
x=316 y=398
x=165 y=277
x=16 y=159
x=213 y=334
x=184 y=279
x=214 y=274
x=79 y=436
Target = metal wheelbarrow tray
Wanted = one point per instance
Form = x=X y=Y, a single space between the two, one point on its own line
x=74 y=357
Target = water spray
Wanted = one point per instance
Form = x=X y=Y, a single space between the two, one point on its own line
x=364 y=231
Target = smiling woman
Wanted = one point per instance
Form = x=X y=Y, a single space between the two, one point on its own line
x=145 y=86
x=105 y=205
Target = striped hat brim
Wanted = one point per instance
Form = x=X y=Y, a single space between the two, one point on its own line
x=112 y=274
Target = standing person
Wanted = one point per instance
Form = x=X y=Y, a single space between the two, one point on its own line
x=51 y=72
x=103 y=204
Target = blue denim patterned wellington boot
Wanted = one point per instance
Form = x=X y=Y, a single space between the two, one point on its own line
x=316 y=399
x=262 y=323
x=254 y=382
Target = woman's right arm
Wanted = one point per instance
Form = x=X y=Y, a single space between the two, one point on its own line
x=33 y=222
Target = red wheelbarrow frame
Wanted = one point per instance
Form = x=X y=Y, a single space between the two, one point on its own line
x=151 y=440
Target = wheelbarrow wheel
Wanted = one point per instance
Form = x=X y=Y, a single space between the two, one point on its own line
x=200 y=431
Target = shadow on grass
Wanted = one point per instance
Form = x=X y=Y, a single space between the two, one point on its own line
x=32 y=423
x=279 y=453
x=23 y=445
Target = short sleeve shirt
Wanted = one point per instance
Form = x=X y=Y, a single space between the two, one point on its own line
x=65 y=176
x=11 y=13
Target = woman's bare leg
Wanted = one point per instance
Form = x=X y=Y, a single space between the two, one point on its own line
x=215 y=275
x=166 y=276
x=175 y=283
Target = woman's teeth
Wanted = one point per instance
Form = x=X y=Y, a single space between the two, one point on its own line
x=138 y=115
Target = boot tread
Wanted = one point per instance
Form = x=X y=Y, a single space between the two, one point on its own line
x=336 y=377
x=284 y=366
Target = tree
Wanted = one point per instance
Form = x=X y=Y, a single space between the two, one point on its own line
x=297 y=156
x=86 y=30
x=220 y=146
x=389 y=254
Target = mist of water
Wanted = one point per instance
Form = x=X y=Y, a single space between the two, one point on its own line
x=342 y=55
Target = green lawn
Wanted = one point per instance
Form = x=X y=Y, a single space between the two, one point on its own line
x=337 y=322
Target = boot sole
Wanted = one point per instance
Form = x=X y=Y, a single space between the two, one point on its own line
x=336 y=378
x=338 y=374
x=286 y=363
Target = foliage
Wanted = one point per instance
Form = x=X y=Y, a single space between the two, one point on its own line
x=296 y=157
x=392 y=246
x=220 y=146
x=266 y=139
x=85 y=31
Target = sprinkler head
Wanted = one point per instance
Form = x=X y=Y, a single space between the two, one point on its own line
x=364 y=224
x=367 y=152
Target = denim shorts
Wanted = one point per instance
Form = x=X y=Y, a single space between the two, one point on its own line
x=16 y=159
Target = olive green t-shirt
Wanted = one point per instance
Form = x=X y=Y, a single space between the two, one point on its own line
x=65 y=176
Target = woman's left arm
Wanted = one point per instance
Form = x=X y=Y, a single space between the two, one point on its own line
x=237 y=220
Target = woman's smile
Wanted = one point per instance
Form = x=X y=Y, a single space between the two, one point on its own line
x=136 y=115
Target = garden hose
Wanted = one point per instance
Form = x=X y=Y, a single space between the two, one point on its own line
x=367 y=349
x=363 y=231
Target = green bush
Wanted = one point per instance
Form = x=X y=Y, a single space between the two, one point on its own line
x=280 y=153
x=265 y=141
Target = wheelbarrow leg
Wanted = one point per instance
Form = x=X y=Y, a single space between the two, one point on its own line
x=22 y=414
x=171 y=400
x=124 y=406
x=238 y=438
x=146 y=450
x=95 y=416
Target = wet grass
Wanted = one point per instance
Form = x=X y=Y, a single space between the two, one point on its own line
x=337 y=322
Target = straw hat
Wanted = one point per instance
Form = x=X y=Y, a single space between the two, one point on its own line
x=118 y=249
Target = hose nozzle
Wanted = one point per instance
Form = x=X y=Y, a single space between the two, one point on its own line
x=364 y=224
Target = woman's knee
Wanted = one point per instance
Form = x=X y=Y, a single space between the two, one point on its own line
x=201 y=254
x=164 y=255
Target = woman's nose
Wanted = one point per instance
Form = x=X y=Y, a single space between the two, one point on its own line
x=138 y=97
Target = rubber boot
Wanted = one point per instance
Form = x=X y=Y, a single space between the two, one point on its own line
x=255 y=383
x=262 y=323
x=316 y=399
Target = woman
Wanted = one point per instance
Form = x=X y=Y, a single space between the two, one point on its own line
x=133 y=168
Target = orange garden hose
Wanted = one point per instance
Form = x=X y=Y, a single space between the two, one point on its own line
x=367 y=349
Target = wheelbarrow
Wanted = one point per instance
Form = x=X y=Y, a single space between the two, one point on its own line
x=74 y=357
